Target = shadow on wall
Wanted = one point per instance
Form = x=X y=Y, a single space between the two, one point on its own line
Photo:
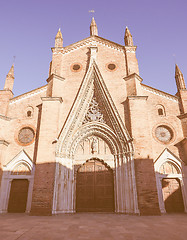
x=146 y=187
x=172 y=195
x=94 y=189
x=94 y=185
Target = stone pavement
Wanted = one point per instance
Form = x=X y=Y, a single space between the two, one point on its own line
x=93 y=226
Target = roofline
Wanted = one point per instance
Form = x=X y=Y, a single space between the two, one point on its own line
x=93 y=37
x=160 y=91
x=17 y=97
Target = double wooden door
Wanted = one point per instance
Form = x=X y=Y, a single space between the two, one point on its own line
x=94 y=188
x=18 y=196
x=172 y=195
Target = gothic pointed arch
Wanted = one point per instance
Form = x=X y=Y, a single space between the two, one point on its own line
x=93 y=107
x=170 y=182
x=21 y=159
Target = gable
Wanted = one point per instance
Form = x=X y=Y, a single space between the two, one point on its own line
x=21 y=158
x=93 y=87
x=167 y=156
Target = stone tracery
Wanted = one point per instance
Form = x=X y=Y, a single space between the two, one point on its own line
x=94 y=112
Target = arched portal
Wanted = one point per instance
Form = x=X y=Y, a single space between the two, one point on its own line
x=18 y=196
x=170 y=183
x=171 y=188
x=94 y=187
x=94 y=140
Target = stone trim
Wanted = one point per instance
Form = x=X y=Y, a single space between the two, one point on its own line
x=87 y=41
x=138 y=97
x=21 y=157
x=28 y=94
x=159 y=93
x=52 y=99
x=182 y=116
x=55 y=76
x=168 y=156
x=5 y=118
x=3 y=142
x=135 y=75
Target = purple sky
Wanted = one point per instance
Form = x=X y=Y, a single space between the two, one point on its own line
x=28 y=29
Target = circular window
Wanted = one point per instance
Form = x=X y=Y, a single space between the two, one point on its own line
x=76 y=67
x=26 y=135
x=111 y=66
x=164 y=134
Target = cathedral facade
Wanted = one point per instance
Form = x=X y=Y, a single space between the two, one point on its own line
x=94 y=138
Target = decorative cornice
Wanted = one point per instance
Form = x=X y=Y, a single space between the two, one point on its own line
x=133 y=75
x=5 y=118
x=182 y=116
x=92 y=40
x=3 y=142
x=7 y=90
x=130 y=49
x=55 y=76
x=52 y=99
x=138 y=97
x=28 y=94
x=183 y=141
x=159 y=93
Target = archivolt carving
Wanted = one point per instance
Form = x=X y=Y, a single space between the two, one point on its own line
x=92 y=129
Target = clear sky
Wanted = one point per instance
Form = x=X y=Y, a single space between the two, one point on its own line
x=28 y=29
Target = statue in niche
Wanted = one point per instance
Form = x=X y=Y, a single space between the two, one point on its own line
x=94 y=146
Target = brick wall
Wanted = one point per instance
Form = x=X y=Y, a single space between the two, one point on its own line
x=146 y=187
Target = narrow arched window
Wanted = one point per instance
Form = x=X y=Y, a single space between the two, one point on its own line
x=29 y=113
x=160 y=111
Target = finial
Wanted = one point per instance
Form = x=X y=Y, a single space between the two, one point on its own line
x=93 y=28
x=59 y=39
x=128 y=38
x=59 y=34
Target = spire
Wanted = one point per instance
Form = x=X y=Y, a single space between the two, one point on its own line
x=93 y=28
x=179 y=78
x=59 y=40
x=9 y=82
x=128 y=38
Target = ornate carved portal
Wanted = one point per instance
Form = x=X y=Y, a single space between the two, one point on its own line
x=94 y=129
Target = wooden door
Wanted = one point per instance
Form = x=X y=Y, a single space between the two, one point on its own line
x=172 y=195
x=94 y=188
x=18 y=196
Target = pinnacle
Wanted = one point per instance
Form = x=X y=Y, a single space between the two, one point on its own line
x=177 y=70
x=11 y=72
x=93 y=28
x=128 y=38
x=93 y=21
x=127 y=31
x=179 y=78
x=59 y=34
